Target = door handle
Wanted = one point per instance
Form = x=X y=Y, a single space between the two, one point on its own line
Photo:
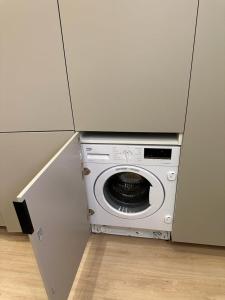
x=24 y=217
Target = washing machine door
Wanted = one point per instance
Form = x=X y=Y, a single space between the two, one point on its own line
x=129 y=192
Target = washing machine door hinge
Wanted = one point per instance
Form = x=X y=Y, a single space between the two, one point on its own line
x=90 y=212
x=85 y=171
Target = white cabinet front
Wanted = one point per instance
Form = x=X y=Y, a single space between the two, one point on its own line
x=52 y=209
x=129 y=62
x=34 y=92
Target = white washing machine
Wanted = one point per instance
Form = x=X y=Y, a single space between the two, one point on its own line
x=131 y=183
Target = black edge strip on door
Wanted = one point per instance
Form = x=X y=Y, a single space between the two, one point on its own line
x=24 y=217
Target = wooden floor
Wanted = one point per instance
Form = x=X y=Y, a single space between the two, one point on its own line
x=19 y=275
x=120 y=268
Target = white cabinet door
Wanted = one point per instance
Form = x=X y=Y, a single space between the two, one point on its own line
x=34 y=92
x=129 y=62
x=22 y=156
x=52 y=209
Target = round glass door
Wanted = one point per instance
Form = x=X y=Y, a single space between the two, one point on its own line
x=127 y=192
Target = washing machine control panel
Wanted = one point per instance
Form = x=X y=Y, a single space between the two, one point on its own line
x=126 y=154
x=135 y=154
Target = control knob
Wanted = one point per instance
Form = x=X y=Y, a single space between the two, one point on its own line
x=127 y=154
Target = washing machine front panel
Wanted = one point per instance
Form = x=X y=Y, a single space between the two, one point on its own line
x=129 y=192
x=141 y=176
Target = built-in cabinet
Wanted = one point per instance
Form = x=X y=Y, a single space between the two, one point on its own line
x=129 y=67
x=34 y=94
x=200 y=203
x=129 y=62
x=22 y=156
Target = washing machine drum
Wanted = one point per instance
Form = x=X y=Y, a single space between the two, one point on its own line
x=129 y=192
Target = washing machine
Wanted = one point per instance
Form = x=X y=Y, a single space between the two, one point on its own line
x=131 y=183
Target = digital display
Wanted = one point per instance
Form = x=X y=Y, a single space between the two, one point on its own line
x=157 y=153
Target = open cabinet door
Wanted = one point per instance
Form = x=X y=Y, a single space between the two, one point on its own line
x=52 y=209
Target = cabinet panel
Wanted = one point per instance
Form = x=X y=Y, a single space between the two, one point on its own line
x=33 y=85
x=129 y=62
x=52 y=209
x=200 y=204
x=22 y=156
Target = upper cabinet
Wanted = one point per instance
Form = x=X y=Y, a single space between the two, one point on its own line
x=200 y=204
x=129 y=62
x=34 y=92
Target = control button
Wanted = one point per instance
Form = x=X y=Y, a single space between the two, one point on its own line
x=168 y=219
x=171 y=175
